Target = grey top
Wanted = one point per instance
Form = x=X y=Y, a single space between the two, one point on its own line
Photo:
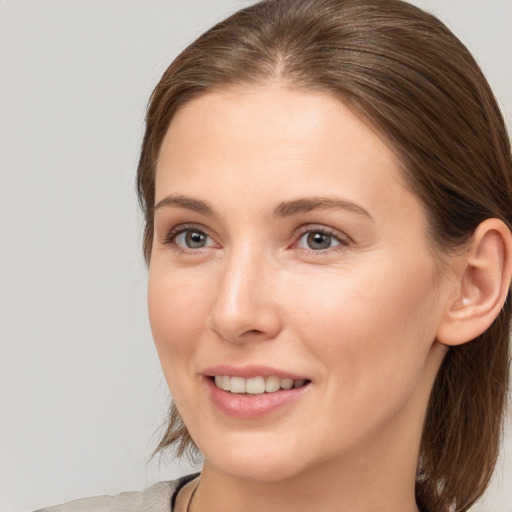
x=159 y=497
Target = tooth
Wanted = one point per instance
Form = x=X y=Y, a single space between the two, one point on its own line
x=272 y=384
x=226 y=383
x=286 y=383
x=237 y=385
x=255 y=385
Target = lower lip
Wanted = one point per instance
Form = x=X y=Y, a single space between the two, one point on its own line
x=248 y=406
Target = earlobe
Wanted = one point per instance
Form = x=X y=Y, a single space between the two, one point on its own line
x=484 y=280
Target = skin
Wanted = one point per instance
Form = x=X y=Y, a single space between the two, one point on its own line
x=359 y=318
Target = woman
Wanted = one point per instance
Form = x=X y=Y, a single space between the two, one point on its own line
x=327 y=189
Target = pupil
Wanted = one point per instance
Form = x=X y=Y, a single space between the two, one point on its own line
x=195 y=239
x=319 y=241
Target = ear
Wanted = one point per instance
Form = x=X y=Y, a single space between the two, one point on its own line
x=483 y=278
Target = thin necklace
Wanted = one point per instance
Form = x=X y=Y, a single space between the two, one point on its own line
x=192 y=497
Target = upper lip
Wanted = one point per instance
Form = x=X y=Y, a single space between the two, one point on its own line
x=248 y=371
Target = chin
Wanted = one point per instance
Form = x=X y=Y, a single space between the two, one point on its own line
x=260 y=460
x=261 y=471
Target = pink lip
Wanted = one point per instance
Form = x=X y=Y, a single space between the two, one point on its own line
x=246 y=406
x=249 y=371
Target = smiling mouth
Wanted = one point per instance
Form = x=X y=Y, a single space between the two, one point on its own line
x=256 y=385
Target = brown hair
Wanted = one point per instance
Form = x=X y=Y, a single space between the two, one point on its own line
x=405 y=71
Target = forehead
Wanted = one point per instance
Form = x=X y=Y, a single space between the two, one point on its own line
x=274 y=140
x=234 y=122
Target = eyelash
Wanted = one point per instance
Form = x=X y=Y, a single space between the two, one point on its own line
x=170 y=239
x=343 y=241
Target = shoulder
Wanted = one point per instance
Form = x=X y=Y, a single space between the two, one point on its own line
x=157 y=498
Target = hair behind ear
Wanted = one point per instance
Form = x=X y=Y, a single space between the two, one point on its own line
x=462 y=432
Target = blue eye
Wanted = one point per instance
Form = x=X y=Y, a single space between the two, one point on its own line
x=318 y=241
x=192 y=239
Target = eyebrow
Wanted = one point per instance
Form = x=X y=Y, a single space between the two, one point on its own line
x=307 y=204
x=185 y=202
x=284 y=209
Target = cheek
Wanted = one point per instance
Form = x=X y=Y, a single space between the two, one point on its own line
x=178 y=312
x=370 y=327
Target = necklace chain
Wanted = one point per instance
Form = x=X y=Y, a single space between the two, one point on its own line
x=189 y=504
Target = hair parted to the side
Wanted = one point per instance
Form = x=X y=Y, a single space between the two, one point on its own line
x=415 y=81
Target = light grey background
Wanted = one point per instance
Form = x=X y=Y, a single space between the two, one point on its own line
x=81 y=392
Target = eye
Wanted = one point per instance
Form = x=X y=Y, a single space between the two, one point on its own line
x=191 y=238
x=319 y=240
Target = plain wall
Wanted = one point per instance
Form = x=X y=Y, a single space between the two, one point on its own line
x=81 y=391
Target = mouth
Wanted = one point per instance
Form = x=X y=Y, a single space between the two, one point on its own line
x=252 y=392
x=256 y=385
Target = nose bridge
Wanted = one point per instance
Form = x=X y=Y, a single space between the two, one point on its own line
x=243 y=307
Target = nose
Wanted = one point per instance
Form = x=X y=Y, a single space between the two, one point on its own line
x=245 y=308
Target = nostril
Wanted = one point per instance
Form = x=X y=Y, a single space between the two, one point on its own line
x=239 y=322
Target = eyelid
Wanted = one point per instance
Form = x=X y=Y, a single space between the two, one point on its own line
x=343 y=239
x=173 y=233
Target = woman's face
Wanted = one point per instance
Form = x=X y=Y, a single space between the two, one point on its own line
x=288 y=251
